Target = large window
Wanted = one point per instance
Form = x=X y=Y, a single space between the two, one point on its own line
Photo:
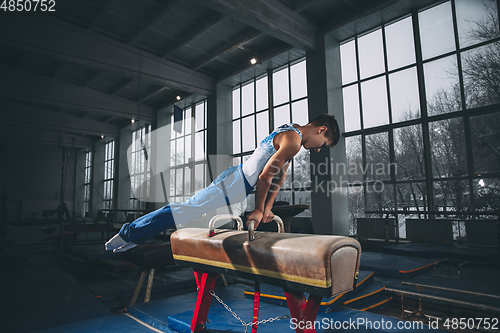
x=421 y=107
x=188 y=156
x=140 y=176
x=87 y=186
x=258 y=108
x=109 y=173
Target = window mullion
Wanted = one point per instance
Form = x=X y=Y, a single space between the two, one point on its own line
x=423 y=110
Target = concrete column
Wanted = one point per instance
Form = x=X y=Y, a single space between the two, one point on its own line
x=153 y=157
x=116 y=184
x=220 y=128
x=329 y=199
x=123 y=176
x=98 y=177
x=160 y=163
x=219 y=135
x=79 y=181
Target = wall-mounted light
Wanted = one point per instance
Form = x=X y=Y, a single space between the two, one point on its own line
x=253 y=61
x=178 y=98
x=132 y=121
x=102 y=136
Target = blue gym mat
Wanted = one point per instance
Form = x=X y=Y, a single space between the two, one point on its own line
x=275 y=295
x=339 y=320
x=110 y=324
x=394 y=265
x=54 y=296
x=174 y=314
x=177 y=312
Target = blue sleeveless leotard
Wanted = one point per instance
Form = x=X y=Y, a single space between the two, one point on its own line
x=256 y=163
x=232 y=186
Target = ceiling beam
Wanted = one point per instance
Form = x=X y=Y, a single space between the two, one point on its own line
x=167 y=6
x=42 y=137
x=152 y=3
x=271 y=17
x=34 y=88
x=193 y=32
x=289 y=3
x=109 y=119
x=247 y=50
x=21 y=60
x=53 y=37
x=184 y=102
x=350 y=4
x=360 y=11
x=262 y=60
x=301 y=5
x=58 y=70
x=152 y=93
x=90 y=3
x=93 y=78
x=220 y=51
x=104 y=9
x=121 y=85
x=22 y=114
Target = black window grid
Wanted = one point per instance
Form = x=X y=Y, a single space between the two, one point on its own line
x=290 y=185
x=109 y=173
x=465 y=113
x=179 y=192
x=140 y=174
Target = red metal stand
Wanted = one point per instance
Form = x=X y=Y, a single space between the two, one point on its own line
x=205 y=283
x=302 y=310
x=256 y=304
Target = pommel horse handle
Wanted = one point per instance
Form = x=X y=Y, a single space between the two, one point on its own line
x=251 y=227
x=211 y=224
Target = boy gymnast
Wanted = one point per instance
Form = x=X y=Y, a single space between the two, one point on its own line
x=265 y=169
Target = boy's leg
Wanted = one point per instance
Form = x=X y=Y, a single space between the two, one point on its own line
x=141 y=229
x=231 y=182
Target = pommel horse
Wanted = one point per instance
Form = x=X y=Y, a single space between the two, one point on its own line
x=320 y=265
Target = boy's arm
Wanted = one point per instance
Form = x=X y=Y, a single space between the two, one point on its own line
x=268 y=215
x=289 y=146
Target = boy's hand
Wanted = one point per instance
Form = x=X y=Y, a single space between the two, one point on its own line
x=256 y=215
x=267 y=216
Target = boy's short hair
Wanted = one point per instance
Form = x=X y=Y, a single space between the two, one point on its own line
x=328 y=120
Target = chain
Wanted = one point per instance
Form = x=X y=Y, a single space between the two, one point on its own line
x=245 y=325
x=235 y=315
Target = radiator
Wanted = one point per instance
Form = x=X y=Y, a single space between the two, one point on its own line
x=420 y=230
x=376 y=228
x=482 y=232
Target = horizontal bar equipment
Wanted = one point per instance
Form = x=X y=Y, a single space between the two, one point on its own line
x=472 y=293
x=470 y=305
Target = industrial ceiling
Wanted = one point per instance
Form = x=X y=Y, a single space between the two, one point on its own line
x=90 y=66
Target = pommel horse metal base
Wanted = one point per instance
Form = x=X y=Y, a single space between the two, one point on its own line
x=320 y=265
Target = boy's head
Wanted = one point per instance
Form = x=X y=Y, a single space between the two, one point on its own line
x=329 y=121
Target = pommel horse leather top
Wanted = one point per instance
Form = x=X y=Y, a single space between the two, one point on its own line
x=319 y=264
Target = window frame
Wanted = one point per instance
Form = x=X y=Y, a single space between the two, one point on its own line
x=109 y=174
x=430 y=208
x=136 y=177
x=290 y=184
x=87 y=183
x=191 y=163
